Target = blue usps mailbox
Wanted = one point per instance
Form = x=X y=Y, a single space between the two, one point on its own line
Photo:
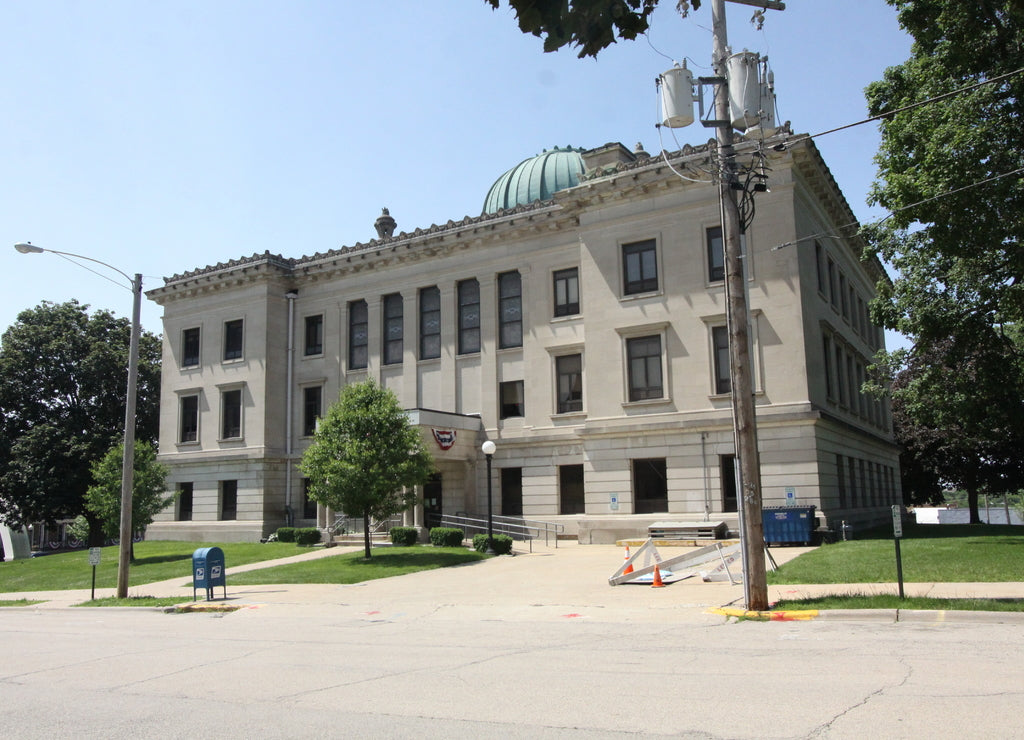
x=208 y=571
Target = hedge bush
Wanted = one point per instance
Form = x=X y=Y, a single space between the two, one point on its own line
x=404 y=536
x=307 y=536
x=502 y=543
x=446 y=537
x=286 y=534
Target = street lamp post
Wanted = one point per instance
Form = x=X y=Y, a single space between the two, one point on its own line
x=128 y=461
x=488 y=449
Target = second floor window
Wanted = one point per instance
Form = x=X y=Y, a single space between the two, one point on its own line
x=189 y=419
x=567 y=292
x=512 y=401
x=469 y=316
x=393 y=329
x=190 y=347
x=430 y=323
x=233 y=335
x=640 y=267
x=510 y=310
x=644 y=357
x=720 y=346
x=314 y=335
x=312 y=402
x=231 y=414
x=569 y=372
x=358 y=334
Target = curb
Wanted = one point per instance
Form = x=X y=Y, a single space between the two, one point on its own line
x=916 y=616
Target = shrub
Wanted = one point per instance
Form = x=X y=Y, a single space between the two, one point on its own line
x=307 y=536
x=446 y=537
x=286 y=534
x=404 y=536
x=502 y=543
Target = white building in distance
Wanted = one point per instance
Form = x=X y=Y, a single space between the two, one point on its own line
x=579 y=323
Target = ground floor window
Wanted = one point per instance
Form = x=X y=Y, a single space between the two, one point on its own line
x=727 y=464
x=185 y=502
x=228 y=499
x=308 y=504
x=650 y=486
x=570 y=490
x=512 y=491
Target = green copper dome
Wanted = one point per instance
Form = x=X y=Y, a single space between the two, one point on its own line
x=536 y=178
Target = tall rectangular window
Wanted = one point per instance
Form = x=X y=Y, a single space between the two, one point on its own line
x=650 y=486
x=643 y=355
x=842 y=481
x=308 y=504
x=640 y=267
x=358 y=334
x=716 y=254
x=720 y=348
x=190 y=347
x=567 y=291
x=189 y=419
x=185 y=502
x=394 y=332
x=819 y=267
x=312 y=408
x=510 y=310
x=569 y=372
x=231 y=414
x=314 y=335
x=826 y=349
x=841 y=375
x=233 y=335
x=469 y=316
x=512 y=491
x=571 y=499
x=512 y=400
x=833 y=291
x=430 y=323
x=228 y=500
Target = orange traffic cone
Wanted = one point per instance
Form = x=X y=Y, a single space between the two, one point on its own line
x=657 y=582
x=629 y=566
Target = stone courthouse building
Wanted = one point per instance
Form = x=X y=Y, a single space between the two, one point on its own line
x=579 y=322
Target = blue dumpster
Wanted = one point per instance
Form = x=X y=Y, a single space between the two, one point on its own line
x=788 y=524
x=208 y=571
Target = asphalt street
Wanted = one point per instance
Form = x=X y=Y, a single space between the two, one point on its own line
x=537 y=645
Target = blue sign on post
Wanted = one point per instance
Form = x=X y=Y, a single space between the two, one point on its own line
x=208 y=571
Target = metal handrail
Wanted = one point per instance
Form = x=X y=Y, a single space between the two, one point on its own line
x=513 y=526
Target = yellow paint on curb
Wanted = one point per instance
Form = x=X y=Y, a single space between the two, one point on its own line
x=767 y=616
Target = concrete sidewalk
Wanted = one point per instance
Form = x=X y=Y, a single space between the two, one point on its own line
x=570 y=581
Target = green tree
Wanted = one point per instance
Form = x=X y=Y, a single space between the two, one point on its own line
x=103 y=498
x=591 y=25
x=958 y=413
x=950 y=171
x=366 y=457
x=62 y=402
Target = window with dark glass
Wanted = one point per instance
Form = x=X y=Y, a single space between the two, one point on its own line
x=512 y=400
x=228 y=499
x=312 y=406
x=430 y=323
x=512 y=491
x=510 y=310
x=650 y=486
x=716 y=253
x=233 y=339
x=720 y=347
x=231 y=414
x=569 y=369
x=185 y=502
x=190 y=347
x=189 y=419
x=644 y=357
x=358 y=334
x=640 y=267
x=314 y=335
x=469 y=316
x=567 y=291
x=394 y=331
x=570 y=490
x=308 y=504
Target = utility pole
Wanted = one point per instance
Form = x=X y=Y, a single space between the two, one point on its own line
x=755 y=583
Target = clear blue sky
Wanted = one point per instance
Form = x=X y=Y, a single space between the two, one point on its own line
x=161 y=137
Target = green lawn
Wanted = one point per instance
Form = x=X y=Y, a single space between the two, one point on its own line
x=154 y=561
x=941 y=553
x=352 y=568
